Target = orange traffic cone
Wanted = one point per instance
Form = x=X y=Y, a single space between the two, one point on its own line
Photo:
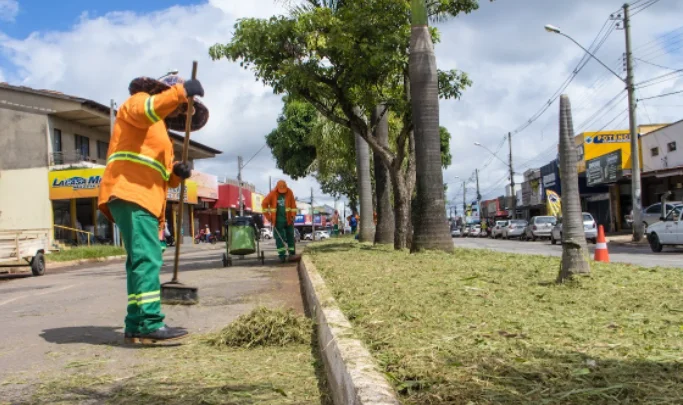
x=601 y=252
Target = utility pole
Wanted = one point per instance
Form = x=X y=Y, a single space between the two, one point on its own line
x=638 y=230
x=512 y=180
x=476 y=172
x=464 y=198
x=312 y=217
x=239 y=180
x=270 y=184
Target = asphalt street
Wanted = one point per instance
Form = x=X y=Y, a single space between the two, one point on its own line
x=75 y=313
x=640 y=255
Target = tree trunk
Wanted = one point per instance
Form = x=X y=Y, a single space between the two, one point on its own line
x=367 y=228
x=384 y=233
x=401 y=211
x=431 y=227
x=574 y=249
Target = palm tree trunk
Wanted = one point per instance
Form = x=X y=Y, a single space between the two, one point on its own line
x=367 y=228
x=431 y=227
x=574 y=249
x=384 y=233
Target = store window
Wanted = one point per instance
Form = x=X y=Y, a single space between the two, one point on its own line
x=57 y=140
x=83 y=146
x=102 y=148
x=671 y=146
x=654 y=152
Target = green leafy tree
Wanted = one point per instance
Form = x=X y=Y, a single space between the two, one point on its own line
x=344 y=62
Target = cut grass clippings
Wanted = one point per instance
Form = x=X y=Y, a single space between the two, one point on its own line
x=482 y=327
x=194 y=373
x=79 y=253
x=265 y=327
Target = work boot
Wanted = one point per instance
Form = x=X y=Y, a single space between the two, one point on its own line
x=163 y=334
x=283 y=259
x=294 y=258
x=130 y=338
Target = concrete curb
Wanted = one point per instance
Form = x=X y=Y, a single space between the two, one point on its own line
x=57 y=265
x=352 y=374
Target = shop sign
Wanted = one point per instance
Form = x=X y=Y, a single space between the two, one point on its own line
x=257 y=202
x=207 y=185
x=604 y=169
x=607 y=138
x=77 y=183
x=190 y=193
x=597 y=144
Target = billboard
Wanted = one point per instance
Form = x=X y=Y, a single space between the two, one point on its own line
x=257 y=202
x=85 y=183
x=207 y=184
x=598 y=144
x=604 y=169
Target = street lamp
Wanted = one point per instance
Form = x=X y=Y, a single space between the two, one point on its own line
x=638 y=229
x=490 y=151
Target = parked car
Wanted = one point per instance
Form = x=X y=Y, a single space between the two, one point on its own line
x=475 y=231
x=653 y=213
x=513 y=229
x=319 y=235
x=667 y=232
x=266 y=233
x=539 y=227
x=498 y=229
x=455 y=233
x=590 y=229
x=465 y=232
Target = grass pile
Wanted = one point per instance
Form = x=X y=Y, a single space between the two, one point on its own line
x=85 y=252
x=195 y=372
x=265 y=327
x=481 y=327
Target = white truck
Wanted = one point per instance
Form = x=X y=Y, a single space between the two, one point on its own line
x=24 y=249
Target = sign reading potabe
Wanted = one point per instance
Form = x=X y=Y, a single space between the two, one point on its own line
x=608 y=138
x=597 y=144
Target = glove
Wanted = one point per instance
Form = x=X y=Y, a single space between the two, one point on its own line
x=182 y=170
x=193 y=88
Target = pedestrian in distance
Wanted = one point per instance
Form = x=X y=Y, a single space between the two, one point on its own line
x=279 y=207
x=140 y=169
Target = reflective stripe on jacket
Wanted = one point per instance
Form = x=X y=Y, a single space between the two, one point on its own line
x=140 y=157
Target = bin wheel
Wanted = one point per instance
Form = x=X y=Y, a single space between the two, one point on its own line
x=225 y=260
x=229 y=262
x=263 y=258
x=38 y=264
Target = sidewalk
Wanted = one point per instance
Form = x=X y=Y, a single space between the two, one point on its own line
x=625 y=240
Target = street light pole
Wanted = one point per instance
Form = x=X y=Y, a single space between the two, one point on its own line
x=638 y=230
x=512 y=180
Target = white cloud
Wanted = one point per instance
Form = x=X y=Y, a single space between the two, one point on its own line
x=514 y=63
x=8 y=9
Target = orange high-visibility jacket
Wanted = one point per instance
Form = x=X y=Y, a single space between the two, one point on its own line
x=140 y=157
x=269 y=206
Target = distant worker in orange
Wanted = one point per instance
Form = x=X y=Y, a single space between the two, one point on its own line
x=279 y=207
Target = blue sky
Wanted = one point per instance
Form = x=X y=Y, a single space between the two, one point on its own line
x=48 y=15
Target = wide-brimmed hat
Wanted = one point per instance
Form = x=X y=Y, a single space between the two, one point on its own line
x=155 y=86
x=281 y=187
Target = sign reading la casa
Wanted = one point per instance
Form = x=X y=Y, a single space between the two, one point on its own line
x=85 y=183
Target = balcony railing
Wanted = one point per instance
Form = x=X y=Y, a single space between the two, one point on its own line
x=69 y=157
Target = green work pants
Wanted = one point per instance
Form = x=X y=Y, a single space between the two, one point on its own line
x=140 y=234
x=282 y=232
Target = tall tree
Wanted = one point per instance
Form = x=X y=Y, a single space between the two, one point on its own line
x=339 y=60
x=384 y=231
x=367 y=225
x=574 y=249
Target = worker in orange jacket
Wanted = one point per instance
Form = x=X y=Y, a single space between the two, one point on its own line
x=140 y=169
x=279 y=207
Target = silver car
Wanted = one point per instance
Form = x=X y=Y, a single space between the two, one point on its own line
x=539 y=227
x=653 y=213
x=514 y=229
x=455 y=233
x=497 y=230
x=590 y=229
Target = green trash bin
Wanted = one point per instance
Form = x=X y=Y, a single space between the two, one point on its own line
x=242 y=240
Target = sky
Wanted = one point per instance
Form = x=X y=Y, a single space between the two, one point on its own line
x=517 y=68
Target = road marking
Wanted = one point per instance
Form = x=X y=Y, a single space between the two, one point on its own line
x=41 y=293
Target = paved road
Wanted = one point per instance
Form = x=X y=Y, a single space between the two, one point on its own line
x=77 y=313
x=637 y=255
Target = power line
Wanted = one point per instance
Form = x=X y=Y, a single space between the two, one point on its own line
x=675 y=72
x=252 y=158
x=661 y=95
x=654 y=64
x=644 y=7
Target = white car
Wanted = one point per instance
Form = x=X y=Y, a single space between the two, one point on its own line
x=498 y=229
x=455 y=233
x=266 y=233
x=653 y=213
x=668 y=232
x=319 y=235
x=590 y=229
x=475 y=231
x=539 y=227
